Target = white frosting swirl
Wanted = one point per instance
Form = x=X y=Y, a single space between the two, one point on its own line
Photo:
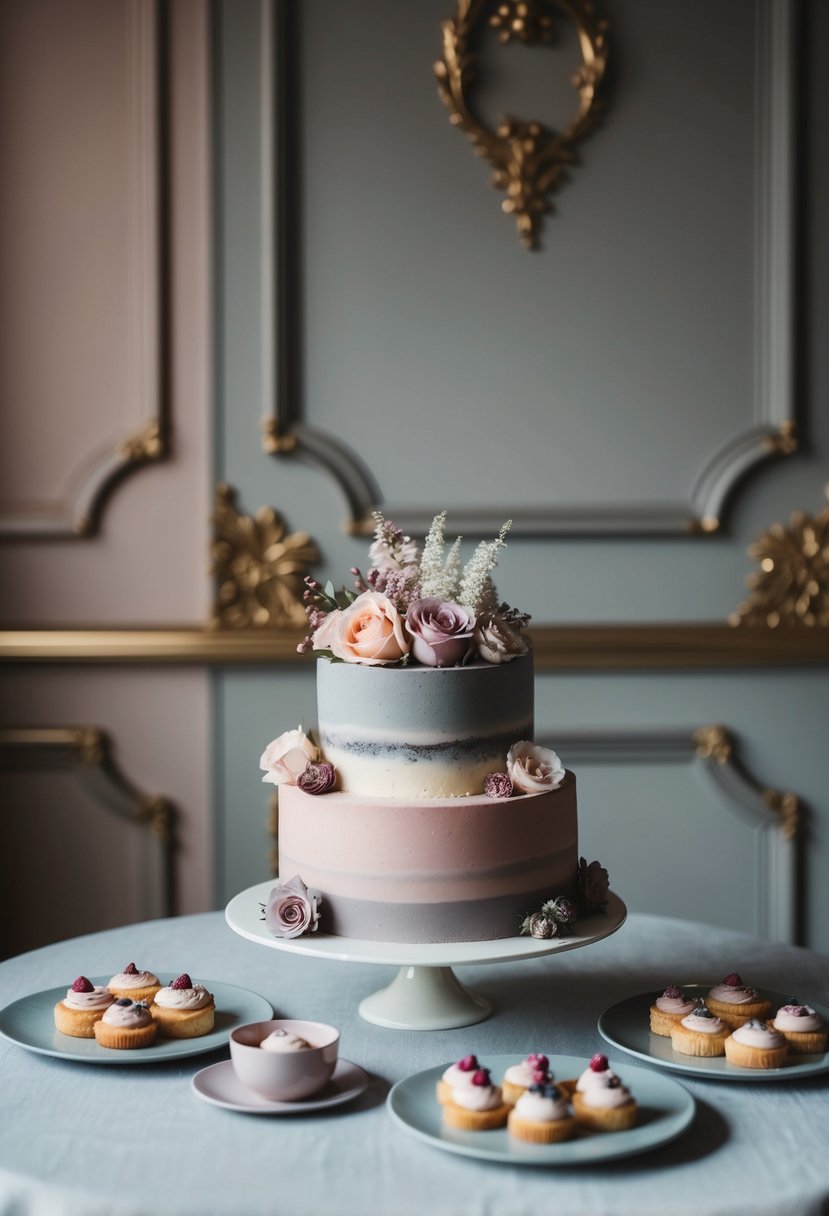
x=457 y=1077
x=698 y=1022
x=284 y=1040
x=787 y=1019
x=196 y=997
x=522 y=1074
x=477 y=1097
x=758 y=1034
x=732 y=995
x=131 y=1017
x=607 y=1096
x=674 y=1004
x=141 y=979
x=590 y=1079
x=98 y=998
x=538 y=1109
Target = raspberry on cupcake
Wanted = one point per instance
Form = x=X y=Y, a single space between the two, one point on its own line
x=184 y=1010
x=477 y=1107
x=81 y=1008
x=456 y=1076
x=137 y=985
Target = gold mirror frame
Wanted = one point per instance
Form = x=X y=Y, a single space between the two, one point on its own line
x=528 y=159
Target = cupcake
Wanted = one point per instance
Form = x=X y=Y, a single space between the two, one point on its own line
x=519 y=1077
x=541 y=1115
x=668 y=1009
x=802 y=1028
x=137 y=985
x=735 y=1002
x=126 y=1024
x=456 y=1076
x=601 y=1102
x=184 y=1010
x=595 y=1076
x=477 y=1107
x=700 y=1033
x=81 y=1008
x=756 y=1044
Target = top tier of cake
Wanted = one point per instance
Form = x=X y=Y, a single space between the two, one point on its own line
x=421 y=732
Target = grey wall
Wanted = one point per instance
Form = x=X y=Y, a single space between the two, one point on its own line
x=610 y=382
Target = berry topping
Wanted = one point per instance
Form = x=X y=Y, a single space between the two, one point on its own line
x=182 y=981
x=468 y=1063
x=123 y=1000
x=82 y=984
x=733 y=980
x=539 y=1061
x=598 y=1063
x=702 y=1011
x=674 y=992
x=546 y=1089
x=614 y=1083
x=130 y=969
x=481 y=1077
x=540 y=1075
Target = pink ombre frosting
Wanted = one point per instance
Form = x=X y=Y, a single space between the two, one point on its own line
x=757 y=1034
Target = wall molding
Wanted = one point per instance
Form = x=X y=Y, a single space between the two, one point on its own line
x=86 y=753
x=774 y=818
x=77 y=510
x=771 y=431
x=573 y=648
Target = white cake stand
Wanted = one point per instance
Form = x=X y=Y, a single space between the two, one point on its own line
x=426 y=994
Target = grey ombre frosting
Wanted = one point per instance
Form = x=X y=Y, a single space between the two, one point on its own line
x=422 y=732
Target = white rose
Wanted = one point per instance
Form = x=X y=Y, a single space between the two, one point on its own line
x=533 y=769
x=498 y=642
x=286 y=757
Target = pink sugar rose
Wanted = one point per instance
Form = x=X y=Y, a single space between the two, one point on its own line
x=534 y=769
x=291 y=910
x=285 y=758
x=441 y=632
x=369 y=631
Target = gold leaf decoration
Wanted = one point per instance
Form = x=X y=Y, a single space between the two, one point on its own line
x=259 y=566
x=792 y=584
x=529 y=160
x=714 y=743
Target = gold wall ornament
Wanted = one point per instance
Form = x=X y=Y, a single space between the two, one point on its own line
x=529 y=160
x=791 y=587
x=260 y=567
x=714 y=743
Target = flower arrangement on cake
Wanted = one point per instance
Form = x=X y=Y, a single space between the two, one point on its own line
x=417 y=607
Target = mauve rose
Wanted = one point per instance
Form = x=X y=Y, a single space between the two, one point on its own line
x=317 y=778
x=441 y=632
x=593 y=886
x=497 y=785
x=534 y=769
x=286 y=757
x=369 y=631
x=498 y=642
x=290 y=910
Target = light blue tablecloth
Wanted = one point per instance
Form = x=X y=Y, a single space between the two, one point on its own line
x=79 y=1140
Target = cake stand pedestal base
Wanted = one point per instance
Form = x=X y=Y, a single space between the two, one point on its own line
x=424 y=998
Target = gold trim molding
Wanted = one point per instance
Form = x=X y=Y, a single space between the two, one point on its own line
x=791 y=588
x=260 y=567
x=529 y=160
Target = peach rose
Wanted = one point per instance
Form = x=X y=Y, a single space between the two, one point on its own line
x=369 y=631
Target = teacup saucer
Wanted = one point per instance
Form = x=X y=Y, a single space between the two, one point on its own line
x=219 y=1085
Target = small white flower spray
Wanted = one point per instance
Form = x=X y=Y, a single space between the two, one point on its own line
x=477 y=590
x=431 y=561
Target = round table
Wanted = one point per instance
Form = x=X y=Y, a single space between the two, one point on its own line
x=107 y=1140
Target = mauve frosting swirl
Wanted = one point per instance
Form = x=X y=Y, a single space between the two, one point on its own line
x=703 y=1023
x=132 y=1016
x=196 y=997
x=136 y=979
x=676 y=1003
x=757 y=1034
x=798 y=1017
x=731 y=994
x=98 y=998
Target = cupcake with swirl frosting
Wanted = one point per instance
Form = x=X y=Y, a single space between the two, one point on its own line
x=81 y=1008
x=456 y=1076
x=135 y=984
x=518 y=1078
x=126 y=1024
x=756 y=1044
x=669 y=1009
x=477 y=1107
x=183 y=1010
x=802 y=1028
x=700 y=1033
x=541 y=1115
x=603 y=1103
x=736 y=1002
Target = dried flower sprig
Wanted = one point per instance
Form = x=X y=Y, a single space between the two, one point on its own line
x=477 y=591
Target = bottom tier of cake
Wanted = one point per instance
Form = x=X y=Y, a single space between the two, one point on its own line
x=451 y=869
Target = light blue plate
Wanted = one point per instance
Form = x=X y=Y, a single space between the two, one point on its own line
x=627 y=1026
x=30 y=1023
x=665 y=1111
